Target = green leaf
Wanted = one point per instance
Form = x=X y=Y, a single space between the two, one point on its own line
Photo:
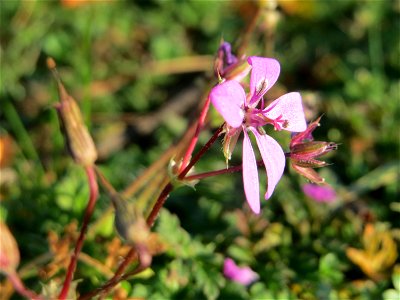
x=329 y=269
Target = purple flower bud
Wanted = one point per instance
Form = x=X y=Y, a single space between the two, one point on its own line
x=228 y=66
x=225 y=52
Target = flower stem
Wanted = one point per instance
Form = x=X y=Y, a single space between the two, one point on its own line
x=20 y=287
x=233 y=169
x=195 y=138
x=94 y=192
x=132 y=254
x=218 y=172
x=201 y=152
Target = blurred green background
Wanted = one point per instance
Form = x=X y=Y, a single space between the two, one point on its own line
x=138 y=69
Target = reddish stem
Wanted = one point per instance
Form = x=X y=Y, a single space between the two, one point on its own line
x=201 y=152
x=233 y=169
x=20 y=287
x=195 y=138
x=218 y=172
x=118 y=276
x=94 y=192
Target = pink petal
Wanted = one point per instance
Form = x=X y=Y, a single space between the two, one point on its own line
x=228 y=99
x=242 y=275
x=273 y=158
x=290 y=108
x=320 y=193
x=264 y=74
x=250 y=175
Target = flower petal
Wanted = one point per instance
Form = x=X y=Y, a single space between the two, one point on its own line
x=320 y=193
x=273 y=158
x=242 y=275
x=228 y=99
x=250 y=175
x=288 y=107
x=265 y=72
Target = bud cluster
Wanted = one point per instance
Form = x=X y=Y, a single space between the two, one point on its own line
x=304 y=152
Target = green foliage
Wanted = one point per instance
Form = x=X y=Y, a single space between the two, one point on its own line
x=191 y=268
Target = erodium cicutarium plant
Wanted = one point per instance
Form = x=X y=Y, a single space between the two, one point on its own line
x=247 y=115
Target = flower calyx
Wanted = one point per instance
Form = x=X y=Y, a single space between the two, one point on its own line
x=228 y=66
x=304 y=152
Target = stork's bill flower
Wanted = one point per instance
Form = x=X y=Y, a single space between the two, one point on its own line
x=248 y=114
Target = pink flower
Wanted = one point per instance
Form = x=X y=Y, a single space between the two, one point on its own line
x=319 y=193
x=248 y=114
x=242 y=275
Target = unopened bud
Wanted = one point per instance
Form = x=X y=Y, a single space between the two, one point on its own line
x=304 y=154
x=228 y=66
x=129 y=221
x=306 y=135
x=9 y=253
x=237 y=71
x=79 y=142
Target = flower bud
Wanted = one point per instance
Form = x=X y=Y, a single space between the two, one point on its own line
x=228 y=66
x=129 y=221
x=132 y=227
x=306 y=135
x=9 y=253
x=304 y=154
x=79 y=142
x=304 y=151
